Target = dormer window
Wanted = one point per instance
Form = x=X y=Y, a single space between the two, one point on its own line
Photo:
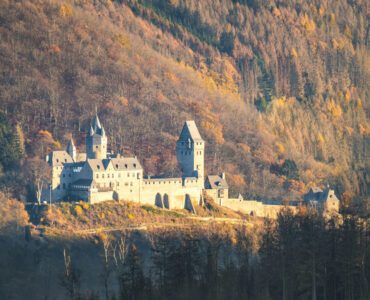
x=57 y=160
x=117 y=166
x=189 y=143
x=98 y=166
x=65 y=160
x=134 y=165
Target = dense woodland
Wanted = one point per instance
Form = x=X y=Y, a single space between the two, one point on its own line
x=297 y=257
x=279 y=90
x=270 y=84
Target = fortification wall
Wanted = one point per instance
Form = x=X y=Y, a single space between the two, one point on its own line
x=169 y=192
x=255 y=208
x=96 y=197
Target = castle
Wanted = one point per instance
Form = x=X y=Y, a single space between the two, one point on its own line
x=97 y=176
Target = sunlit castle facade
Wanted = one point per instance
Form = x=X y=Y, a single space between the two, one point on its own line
x=97 y=175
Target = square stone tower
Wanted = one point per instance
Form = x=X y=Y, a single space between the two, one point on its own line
x=190 y=151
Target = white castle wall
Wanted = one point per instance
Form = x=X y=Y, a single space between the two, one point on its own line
x=255 y=208
x=171 y=192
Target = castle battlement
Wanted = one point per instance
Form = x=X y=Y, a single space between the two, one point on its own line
x=97 y=176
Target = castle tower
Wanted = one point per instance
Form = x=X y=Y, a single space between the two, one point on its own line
x=190 y=151
x=96 y=141
x=71 y=150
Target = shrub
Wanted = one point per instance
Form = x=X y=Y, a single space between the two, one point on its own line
x=78 y=210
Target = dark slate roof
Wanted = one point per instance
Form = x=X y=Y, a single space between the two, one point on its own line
x=96 y=164
x=118 y=164
x=316 y=190
x=96 y=129
x=216 y=182
x=126 y=163
x=71 y=147
x=96 y=123
x=82 y=182
x=58 y=158
x=190 y=130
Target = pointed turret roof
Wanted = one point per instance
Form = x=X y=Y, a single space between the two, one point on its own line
x=190 y=130
x=91 y=131
x=71 y=146
x=96 y=123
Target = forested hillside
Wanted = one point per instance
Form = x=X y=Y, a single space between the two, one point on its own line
x=279 y=89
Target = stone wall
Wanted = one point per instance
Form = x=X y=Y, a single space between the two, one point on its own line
x=170 y=192
x=255 y=208
x=96 y=197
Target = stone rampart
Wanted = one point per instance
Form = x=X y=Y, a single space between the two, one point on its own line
x=170 y=192
x=255 y=208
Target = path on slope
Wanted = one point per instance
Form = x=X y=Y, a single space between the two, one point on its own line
x=203 y=221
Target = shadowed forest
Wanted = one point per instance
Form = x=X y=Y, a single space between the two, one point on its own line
x=279 y=89
x=302 y=256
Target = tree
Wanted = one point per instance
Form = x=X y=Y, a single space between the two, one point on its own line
x=290 y=169
x=38 y=176
x=227 y=42
x=71 y=278
x=10 y=144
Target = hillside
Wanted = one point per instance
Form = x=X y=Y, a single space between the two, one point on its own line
x=267 y=82
x=81 y=251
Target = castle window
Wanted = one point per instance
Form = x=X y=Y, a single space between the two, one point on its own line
x=134 y=165
x=117 y=183
x=102 y=176
x=96 y=147
x=126 y=183
x=112 y=175
x=108 y=175
x=97 y=175
x=57 y=160
x=64 y=175
x=117 y=166
x=119 y=175
x=128 y=174
x=133 y=174
x=98 y=166
x=138 y=175
x=126 y=166
x=131 y=183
